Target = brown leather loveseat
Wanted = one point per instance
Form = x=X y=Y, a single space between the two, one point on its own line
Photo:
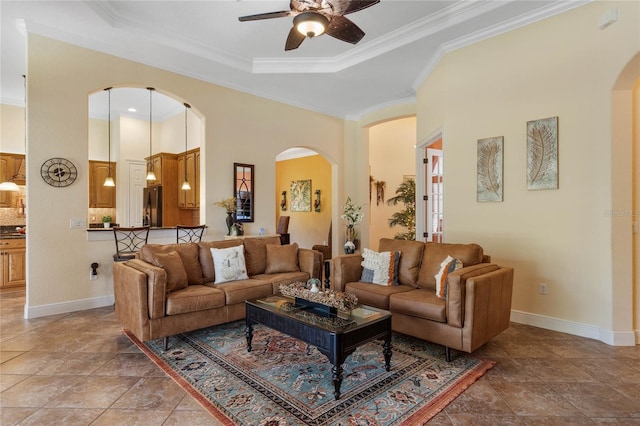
x=477 y=306
x=171 y=289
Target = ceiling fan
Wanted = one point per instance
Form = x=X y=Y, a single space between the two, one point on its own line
x=312 y=18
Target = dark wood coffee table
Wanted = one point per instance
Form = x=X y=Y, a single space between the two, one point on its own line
x=336 y=337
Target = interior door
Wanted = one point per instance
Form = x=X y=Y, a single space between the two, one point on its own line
x=435 y=195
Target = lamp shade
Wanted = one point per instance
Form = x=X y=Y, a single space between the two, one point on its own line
x=9 y=186
x=109 y=181
x=310 y=24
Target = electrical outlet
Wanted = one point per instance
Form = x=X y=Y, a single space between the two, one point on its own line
x=77 y=222
x=542 y=288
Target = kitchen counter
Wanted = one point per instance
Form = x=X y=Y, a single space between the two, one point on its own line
x=157 y=235
x=12 y=236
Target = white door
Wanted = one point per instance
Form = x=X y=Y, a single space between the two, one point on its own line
x=137 y=181
x=435 y=195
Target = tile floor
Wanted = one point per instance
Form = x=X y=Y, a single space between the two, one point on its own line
x=80 y=369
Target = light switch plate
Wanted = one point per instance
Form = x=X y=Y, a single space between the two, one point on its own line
x=77 y=222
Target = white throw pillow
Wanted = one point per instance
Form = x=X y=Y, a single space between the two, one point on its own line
x=447 y=266
x=379 y=268
x=228 y=264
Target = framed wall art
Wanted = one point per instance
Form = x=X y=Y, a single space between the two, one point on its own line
x=489 y=169
x=300 y=196
x=542 y=153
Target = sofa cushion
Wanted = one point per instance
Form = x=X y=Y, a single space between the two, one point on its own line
x=188 y=254
x=373 y=294
x=194 y=298
x=172 y=264
x=435 y=253
x=206 y=258
x=419 y=303
x=410 y=258
x=380 y=268
x=243 y=290
x=229 y=264
x=282 y=258
x=255 y=250
x=447 y=266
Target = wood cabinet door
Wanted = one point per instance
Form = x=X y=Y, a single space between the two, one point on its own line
x=101 y=196
x=6 y=165
x=191 y=178
x=14 y=265
x=182 y=196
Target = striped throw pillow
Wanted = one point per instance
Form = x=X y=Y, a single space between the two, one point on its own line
x=447 y=266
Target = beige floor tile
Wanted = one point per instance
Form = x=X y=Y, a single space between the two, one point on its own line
x=160 y=393
x=76 y=363
x=7 y=355
x=484 y=419
x=479 y=398
x=61 y=416
x=132 y=417
x=534 y=399
x=191 y=418
x=93 y=392
x=36 y=391
x=30 y=362
x=8 y=380
x=598 y=400
x=12 y=416
x=127 y=364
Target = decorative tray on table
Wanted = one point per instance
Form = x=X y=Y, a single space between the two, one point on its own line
x=325 y=302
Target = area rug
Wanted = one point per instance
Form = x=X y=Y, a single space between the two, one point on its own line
x=284 y=381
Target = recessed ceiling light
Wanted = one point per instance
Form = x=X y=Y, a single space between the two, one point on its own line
x=131 y=110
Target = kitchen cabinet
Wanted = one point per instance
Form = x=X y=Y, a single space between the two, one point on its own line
x=189 y=199
x=165 y=167
x=13 y=255
x=101 y=196
x=157 y=161
x=12 y=167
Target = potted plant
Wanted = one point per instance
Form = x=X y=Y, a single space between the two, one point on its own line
x=352 y=215
x=106 y=220
x=405 y=195
x=229 y=205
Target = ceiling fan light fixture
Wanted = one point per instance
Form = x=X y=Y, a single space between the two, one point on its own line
x=311 y=24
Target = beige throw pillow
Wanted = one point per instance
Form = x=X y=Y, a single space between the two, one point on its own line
x=172 y=263
x=282 y=258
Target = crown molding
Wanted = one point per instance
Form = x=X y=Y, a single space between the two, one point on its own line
x=455 y=14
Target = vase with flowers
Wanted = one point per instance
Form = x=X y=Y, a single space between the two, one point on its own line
x=352 y=215
x=229 y=204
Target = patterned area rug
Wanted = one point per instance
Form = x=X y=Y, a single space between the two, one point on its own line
x=284 y=381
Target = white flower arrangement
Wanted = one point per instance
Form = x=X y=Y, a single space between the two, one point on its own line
x=351 y=213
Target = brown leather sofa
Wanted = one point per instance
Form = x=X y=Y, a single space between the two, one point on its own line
x=478 y=302
x=149 y=308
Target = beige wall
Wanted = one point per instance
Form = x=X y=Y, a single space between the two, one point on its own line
x=563 y=66
x=391 y=156
x=12 y=129
x=239 y=128
x=306 y=228
x=636 y=206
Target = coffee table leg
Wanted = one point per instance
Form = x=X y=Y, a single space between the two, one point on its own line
x=248 y=332
x=386 y=350
x=337 y=380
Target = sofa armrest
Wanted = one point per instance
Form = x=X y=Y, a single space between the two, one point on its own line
x=310 y=261
x=456 y=290
x=156 y=286
x=345 y=268
x=487 y=307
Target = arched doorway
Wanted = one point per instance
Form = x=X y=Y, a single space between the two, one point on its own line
x=625 y=211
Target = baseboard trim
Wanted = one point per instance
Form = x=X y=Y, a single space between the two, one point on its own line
x=613 y=338
x=66 y=307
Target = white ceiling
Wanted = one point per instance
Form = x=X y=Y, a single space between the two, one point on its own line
x=205 y=40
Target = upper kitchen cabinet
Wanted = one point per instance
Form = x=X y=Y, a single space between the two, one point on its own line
x=12 y=168
x=101 y=196
x=189 y=199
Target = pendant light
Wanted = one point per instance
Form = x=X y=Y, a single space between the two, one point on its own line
x=150 y=175
x=185 y=185
x=109 y=180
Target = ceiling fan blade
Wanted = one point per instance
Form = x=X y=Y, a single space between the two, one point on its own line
x=281 y=14
x=294 y=40
x=344 y=7
x=343 y=29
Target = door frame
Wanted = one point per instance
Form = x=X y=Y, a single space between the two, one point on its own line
x=421 y=178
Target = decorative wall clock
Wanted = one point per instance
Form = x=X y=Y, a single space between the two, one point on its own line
x=58 y=172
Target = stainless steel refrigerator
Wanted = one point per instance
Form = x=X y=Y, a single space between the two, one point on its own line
x=152 y=206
